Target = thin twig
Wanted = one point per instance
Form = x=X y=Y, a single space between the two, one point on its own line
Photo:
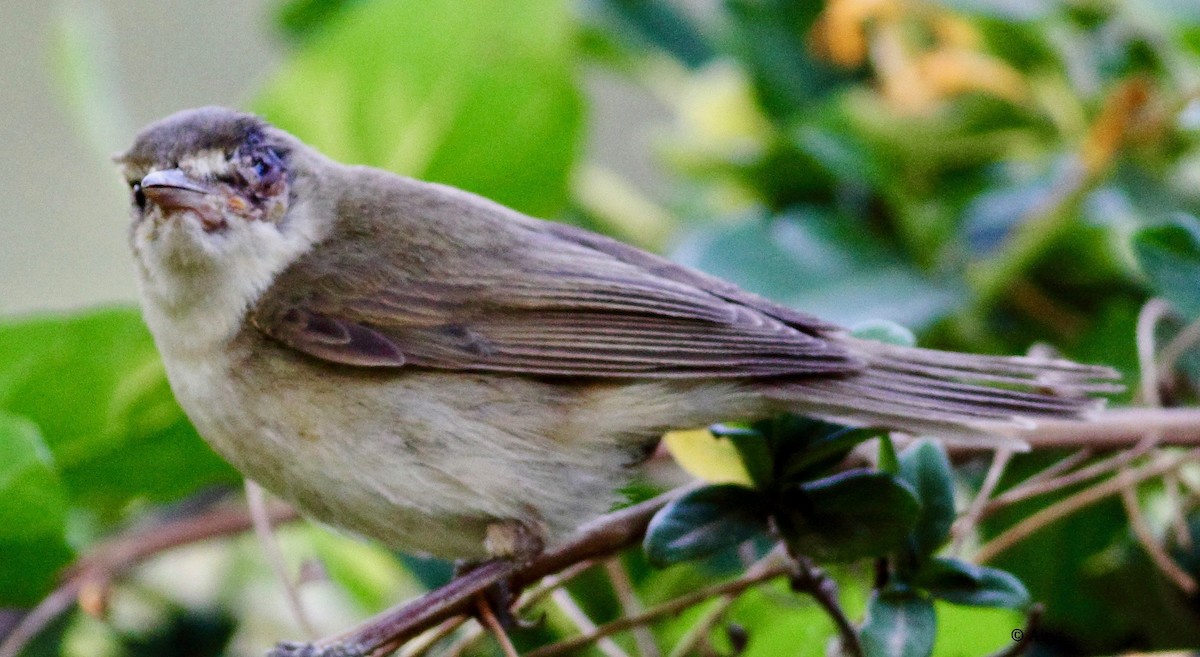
x=387 y=631
x=966 y=522
x=256 y=502
x=1064 y=464
x=1141 y=529
x=528 y=599
x=493 y=625
x=1151 y=315
x=426 y=641
x=630 y=606
x=699 y=630
x=823 y=589
x=668 y=608
x=1066 y=507
x=1099 y=468
x=118 y=555
x=1178 y=345
x=569 y=608
x=1179 y=522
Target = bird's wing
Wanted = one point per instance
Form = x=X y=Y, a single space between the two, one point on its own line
x=450 y=281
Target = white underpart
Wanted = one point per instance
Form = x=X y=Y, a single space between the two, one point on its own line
x=196 y=286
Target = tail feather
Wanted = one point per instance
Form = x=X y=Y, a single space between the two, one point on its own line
x=950 y=394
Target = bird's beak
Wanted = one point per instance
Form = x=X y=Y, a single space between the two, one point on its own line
x=172 y=189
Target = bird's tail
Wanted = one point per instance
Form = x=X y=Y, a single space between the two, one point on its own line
x=949 y=394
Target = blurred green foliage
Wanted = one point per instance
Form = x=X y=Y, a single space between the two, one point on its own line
x=990 y=173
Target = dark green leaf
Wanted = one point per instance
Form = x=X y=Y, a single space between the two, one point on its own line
x=34 y=511
x=898 y=624
x=824 y=452
x=301 y=19
x=772 y=39
x=656 y=23
x=1169 y=255
x=848 y=516
x=965 y=583
x=468 y=96
x=925 y=467
x=703 y=522
x=804 y=447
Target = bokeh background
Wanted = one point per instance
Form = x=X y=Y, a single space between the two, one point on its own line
x=995 y=175
x=85 y=75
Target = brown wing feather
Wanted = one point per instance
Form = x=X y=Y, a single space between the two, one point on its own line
x=452 y=281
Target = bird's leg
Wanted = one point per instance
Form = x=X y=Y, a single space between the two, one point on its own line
x=387 y=631
x=515 y=541
x=509 y=543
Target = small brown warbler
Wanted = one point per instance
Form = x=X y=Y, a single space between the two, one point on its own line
x=420 y=365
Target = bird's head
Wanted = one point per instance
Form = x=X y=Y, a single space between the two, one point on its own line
x=216 y=205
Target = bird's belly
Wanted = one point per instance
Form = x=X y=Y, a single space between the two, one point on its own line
x=417 y=461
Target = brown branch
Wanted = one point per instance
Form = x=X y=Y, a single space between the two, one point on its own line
x=1063 y=508
x=818 y=584
x=389 y=630
x=630 y=605
x=965 y=523
x=582 y=622
x=1030 y=489
x=1118 y=428
x=264 y=529
x=1141 y=530
x=493 y=625
x=669 y=608
x=92 y=572
x=531 y=597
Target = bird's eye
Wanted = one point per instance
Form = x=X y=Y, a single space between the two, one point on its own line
x=139 y=197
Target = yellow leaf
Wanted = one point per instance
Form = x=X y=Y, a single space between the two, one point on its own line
x=707 y=457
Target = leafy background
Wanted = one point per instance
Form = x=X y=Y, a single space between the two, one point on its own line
x=989 y=173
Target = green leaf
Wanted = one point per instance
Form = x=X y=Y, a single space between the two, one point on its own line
x=300 y=19
x=882 y=330
x=848 y=516
x=887 y=455
x=925 y=467
x=94 y=385
x=657 y=23
x=753 y=448
x=467 y=96
x=965 y=583
x=704 y=522
x=823 y=452
x=1169 y=255
x=771 y=38
x=33 y=507
x=898 y=624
